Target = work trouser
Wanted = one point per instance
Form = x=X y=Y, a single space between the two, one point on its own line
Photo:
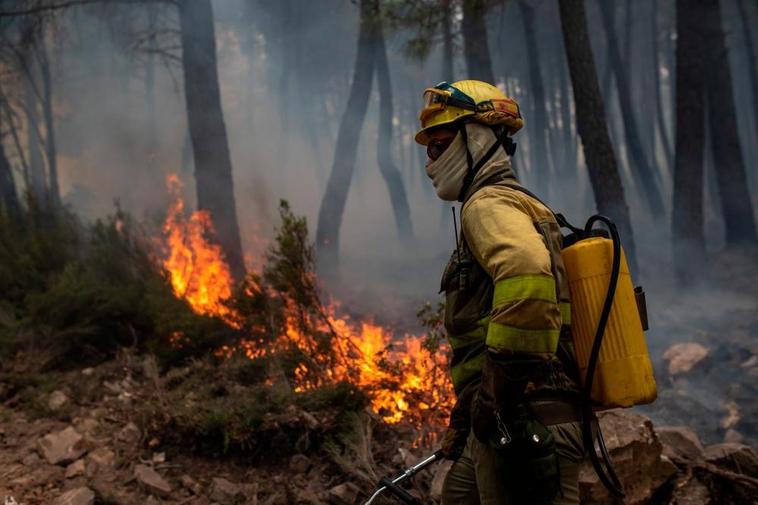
x=473 y=480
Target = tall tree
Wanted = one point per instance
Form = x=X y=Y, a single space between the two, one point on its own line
x=8 y=194
x=152 y=132
x=54 y=193
x=210 y=147
x=747 y=38
x=539 y=139
x=647 y=175
x=389 y=171
x=590 y=118
x=727 y=153
x=662 y=129
x=36 y=177
x=335 y=196
x=27 y=61
x=448 y=72
x=687 y=213
x=475 y=46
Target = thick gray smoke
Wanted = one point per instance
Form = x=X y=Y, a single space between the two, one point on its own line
x=285 y=70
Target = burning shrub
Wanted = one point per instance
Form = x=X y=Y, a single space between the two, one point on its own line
x=78 y=292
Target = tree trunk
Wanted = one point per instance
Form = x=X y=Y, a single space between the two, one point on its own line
x=150 y=91
x=37 y=183
x=448 y=73
x=387 y=167
x=335 y=196
x=8 y=194
x=688 y=245
x=648 y=177
x=569 y=133
x=747 y=36
x=727 y=153
x=662 y=129
x=54 y=193
x=210 y=147
x=475 y=46
x=590 y=117
x=543 y=171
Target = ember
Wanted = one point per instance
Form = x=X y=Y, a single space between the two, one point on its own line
x=406 y=383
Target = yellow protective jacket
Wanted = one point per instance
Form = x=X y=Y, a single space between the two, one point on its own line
x=506 y=289
x=508 y=232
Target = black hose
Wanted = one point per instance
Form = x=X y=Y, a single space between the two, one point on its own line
x=610 y=480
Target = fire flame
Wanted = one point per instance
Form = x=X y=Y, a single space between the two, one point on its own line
x=406 y=383
x=196 y=266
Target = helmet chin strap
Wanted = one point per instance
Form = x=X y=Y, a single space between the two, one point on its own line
x=509 y=146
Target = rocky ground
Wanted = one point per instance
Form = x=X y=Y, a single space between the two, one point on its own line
x=83 y=439
x=103 y=435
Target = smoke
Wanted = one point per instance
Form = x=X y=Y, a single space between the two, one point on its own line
x=285 y=71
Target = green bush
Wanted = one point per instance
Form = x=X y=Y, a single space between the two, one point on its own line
x=78 y=292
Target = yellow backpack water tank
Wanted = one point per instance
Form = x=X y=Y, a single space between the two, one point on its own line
x=624 y=374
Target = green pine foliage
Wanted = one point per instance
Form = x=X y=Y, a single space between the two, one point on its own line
x=76 y=292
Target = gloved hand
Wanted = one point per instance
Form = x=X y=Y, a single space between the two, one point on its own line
x=459 y=425
x=505 y=378
x=453 y=443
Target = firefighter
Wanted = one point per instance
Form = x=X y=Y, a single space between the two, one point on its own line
x=514 y=434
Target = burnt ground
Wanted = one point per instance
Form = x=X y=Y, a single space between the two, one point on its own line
x=710 y=380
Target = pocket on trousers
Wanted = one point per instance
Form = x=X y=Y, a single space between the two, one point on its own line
x=568 y=440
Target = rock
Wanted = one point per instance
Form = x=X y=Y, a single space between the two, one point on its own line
x=61 y=447
x=78 y=496
x=101 y=462
x=733 y=436
x=680 y=442
x=345 y=494
x=151 y=480
x=190 y=484
x=129 y=434
x=152 y=500
x=636 y=453
x=113 y=388
x=226 y=492
x=251 y=493
x=86 y=426
x=102 y=456
x=57 y=400
x=88 y=371
x=74 y=469
x=440 y=472
x=684 y=356
x=299 y=463
x=688 y=490
x=738 y=458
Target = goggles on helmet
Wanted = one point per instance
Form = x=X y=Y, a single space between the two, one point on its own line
x=443 y=95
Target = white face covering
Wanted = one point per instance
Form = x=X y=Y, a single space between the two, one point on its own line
x=447 y=171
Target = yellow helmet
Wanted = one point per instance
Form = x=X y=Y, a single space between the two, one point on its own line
x=467 y=100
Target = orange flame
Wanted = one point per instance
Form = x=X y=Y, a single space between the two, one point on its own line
x=196 y=266
x=405 y=382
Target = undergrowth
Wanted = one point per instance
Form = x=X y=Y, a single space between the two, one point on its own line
x=73 y=293
x=76 y=294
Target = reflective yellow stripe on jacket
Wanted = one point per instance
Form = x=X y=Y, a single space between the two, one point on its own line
x=525 y=315
x=468 y=353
